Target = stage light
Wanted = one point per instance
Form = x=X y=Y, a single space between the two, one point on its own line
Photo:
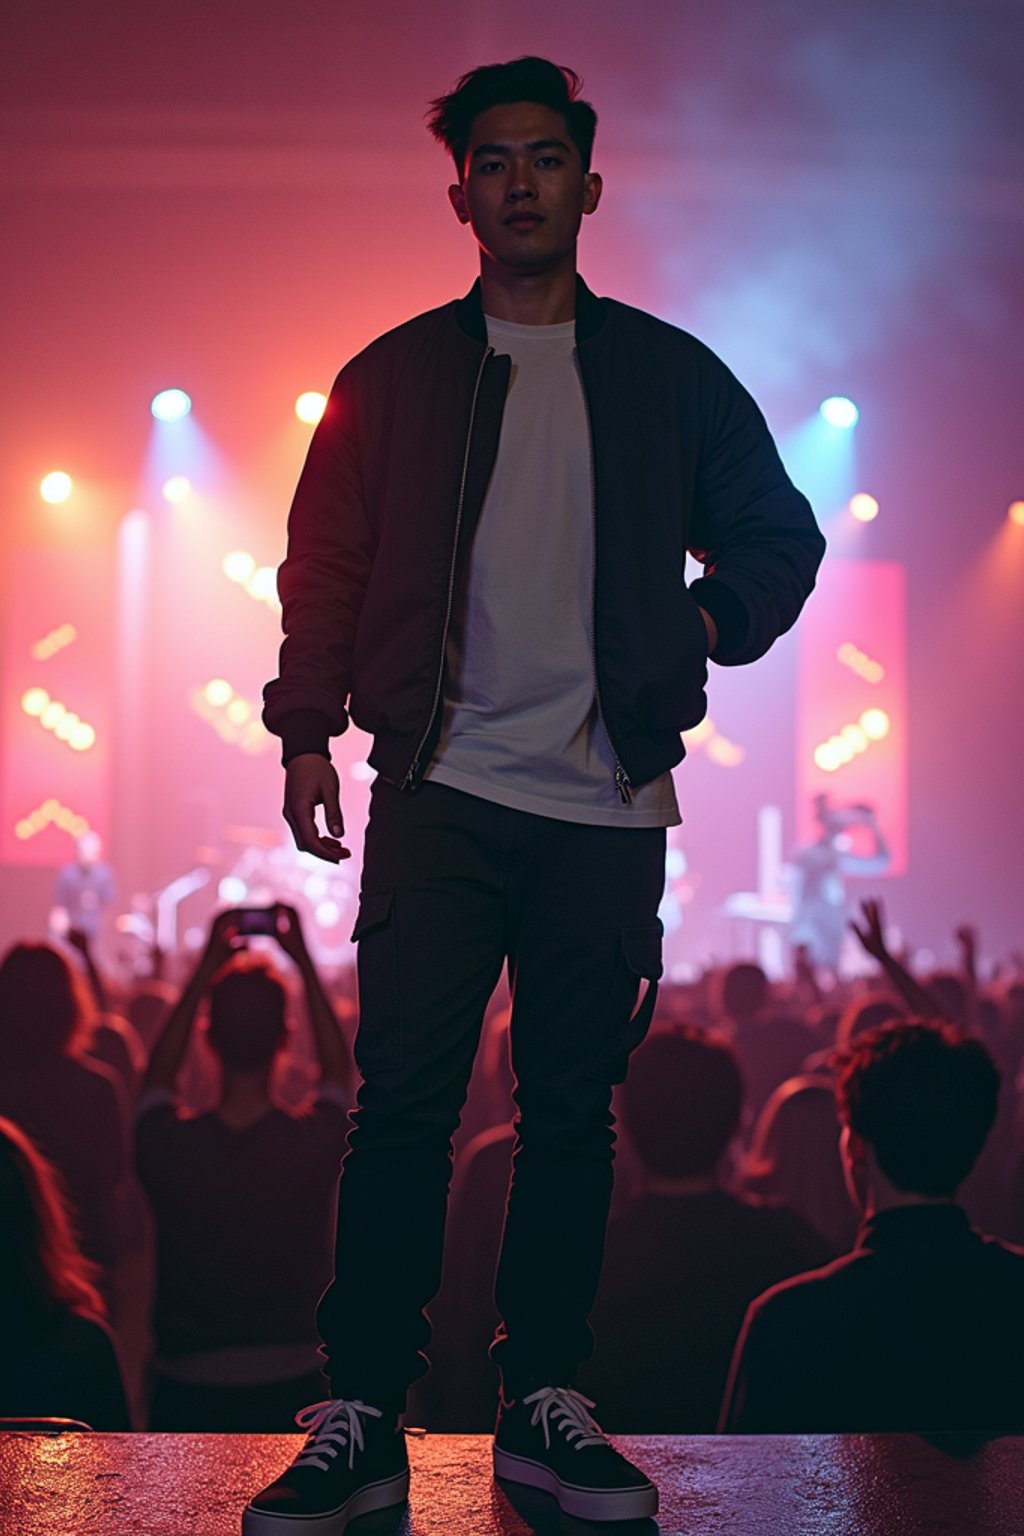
x=177 y=488
x=34 y=701
x=55 y=487
x=327 y=913
x=826 y=758
x=310 y=407
x=67 y=726
x=838 y=411
x=239 y=566
x=263 y=584
x=238 y=711
x=1016 y=513
x=52 y=715
x=232 y=890
x=218 y=692
x=724 y=752
x=863 y=507
x=855 y=738
x=82 y=737
x=875 y=724
x=51 y=812
x=170 y=405
x=675 y=863
x=865 y=666
x=55 y=641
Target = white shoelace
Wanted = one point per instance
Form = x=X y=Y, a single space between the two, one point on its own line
x=571 y=1417
x=332 y=1425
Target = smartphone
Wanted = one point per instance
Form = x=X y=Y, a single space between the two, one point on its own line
x=252 y=920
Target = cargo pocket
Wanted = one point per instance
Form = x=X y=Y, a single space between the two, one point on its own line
x=378 y=1042
x=640 y=962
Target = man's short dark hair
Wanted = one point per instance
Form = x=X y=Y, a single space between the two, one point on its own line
x=923 y=1095
x=525 y=79
x=682 y=1101
x=248 y=1006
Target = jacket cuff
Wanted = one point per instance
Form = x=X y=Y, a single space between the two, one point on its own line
x=731 y=618
x=304 y=730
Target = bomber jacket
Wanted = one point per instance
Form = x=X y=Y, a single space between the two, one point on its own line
x=394 y=482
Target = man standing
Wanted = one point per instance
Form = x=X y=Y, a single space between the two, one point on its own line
x=485 y=563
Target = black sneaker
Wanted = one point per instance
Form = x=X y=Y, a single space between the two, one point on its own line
x=347 y=1467
x=549 y=1440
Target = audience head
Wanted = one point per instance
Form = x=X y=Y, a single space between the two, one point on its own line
x=247 y=1026
x=148 y=1008
x=863 y=1013
x=794 y=1156
x=42 y=1270
x=741 y=991
x=920 y=1097
x=45 y=1009
x=682 y=1101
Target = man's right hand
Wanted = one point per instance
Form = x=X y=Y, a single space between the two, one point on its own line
x=310 y=780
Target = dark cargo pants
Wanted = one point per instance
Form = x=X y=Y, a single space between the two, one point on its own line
x=452 y=886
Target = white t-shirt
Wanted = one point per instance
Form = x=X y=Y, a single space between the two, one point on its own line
x=521 y=724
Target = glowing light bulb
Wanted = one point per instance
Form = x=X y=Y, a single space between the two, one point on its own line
x=239 y=566
x=1016 y=513
x=875 y=724
x=170 y=405
x=263 y=584
x=310 y=407
x=52 y=715
x=82 y=738
x=864 y=507
x=838 y=411
x=34 y=701
x=55 y=487
x=177 y=488
x=218 y=692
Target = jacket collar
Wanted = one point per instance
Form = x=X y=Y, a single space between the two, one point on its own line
x=913 y=1226
x=591 y=312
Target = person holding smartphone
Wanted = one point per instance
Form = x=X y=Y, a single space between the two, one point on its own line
x=241 y=1261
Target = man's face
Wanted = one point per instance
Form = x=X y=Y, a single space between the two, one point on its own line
x=523 y=188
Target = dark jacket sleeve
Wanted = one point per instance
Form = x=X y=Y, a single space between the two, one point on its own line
x=321 y=583
x=753 y=531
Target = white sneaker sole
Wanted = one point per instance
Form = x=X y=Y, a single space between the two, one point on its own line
x=584 y=1503
x=391 y=1490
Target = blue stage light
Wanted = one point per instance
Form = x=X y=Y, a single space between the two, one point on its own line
x=170 y=405
x=839 y=412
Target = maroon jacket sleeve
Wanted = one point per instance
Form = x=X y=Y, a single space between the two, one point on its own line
x=321 y=583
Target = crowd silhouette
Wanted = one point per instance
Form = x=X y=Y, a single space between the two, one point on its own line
x=819 y=1190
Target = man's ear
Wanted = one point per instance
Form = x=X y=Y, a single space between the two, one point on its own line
x=457 y=198
x=592 y=188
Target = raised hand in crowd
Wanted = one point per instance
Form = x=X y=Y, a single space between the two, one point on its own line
x=873 y=941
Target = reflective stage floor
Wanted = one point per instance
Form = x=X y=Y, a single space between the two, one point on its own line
x=850 y=1485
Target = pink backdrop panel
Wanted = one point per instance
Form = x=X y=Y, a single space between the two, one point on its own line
x=852 y=660
x=43 y=779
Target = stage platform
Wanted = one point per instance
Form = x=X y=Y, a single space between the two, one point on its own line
x=815 y=1485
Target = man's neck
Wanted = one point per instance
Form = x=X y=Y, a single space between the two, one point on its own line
x=244 y=1099
x=529 y=298
x=879 y=1200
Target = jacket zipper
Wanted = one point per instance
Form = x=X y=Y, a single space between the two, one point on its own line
x=414 y=767
x=622 y=780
